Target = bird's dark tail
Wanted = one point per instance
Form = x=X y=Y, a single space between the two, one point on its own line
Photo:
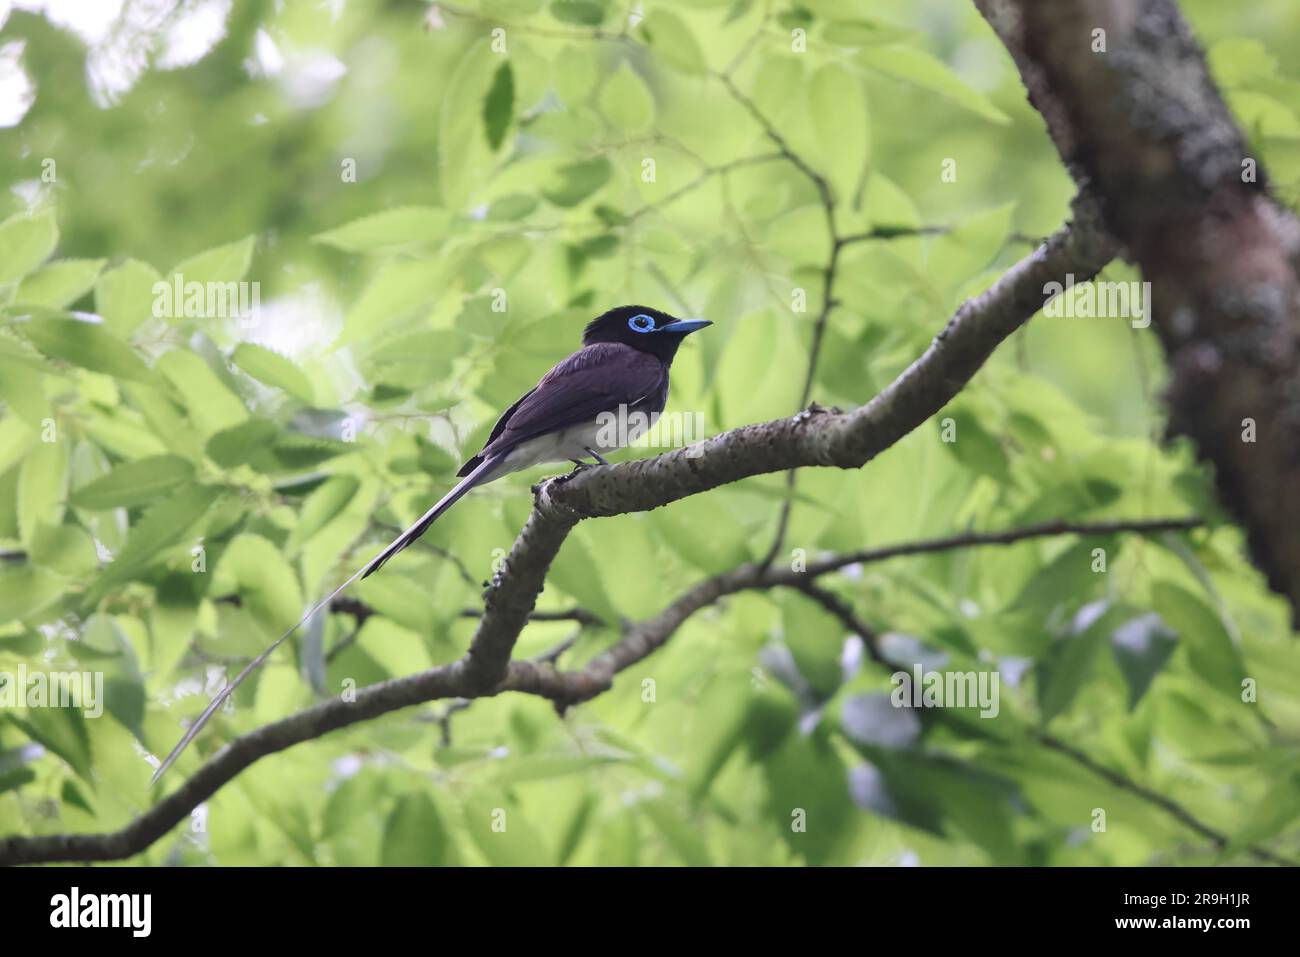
x=477 y=477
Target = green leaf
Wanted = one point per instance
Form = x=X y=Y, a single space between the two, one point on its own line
x=211 y=405
x=478 y=318
x=71 y=794
x=720 y=723
x=323 y=505
x=293 y=451
x=464 y=160
x=1238 y=60
x=124 y=694
x=807 y=775
x=498 y=106
x=1210 y=649
x=574 y=74
x=266 y=584
x=21 y=389
x=169 y=522
x=704 y=535
x=682 y=836
x=577 y=573
x=815 y=640
x=579 y=181
x=13 y=770
x=1278 y=810
x=773 y=713
x=433 y=460
x=220 y=264
x=1141 y=647
x=25 y=591
x=25 y=644
x=976 y=447
x=42 y=486
x=1065 y=667
x=60 y=283
x=86 y=344
x=61 y=730
x=972 y=244
x=414 y=835
x=924 y=70
x=15 y=439
x=1066 y=580
x=356 y=798
x=587 y=13
x=861 y=33
x=510 y=208
x=401 y=600
x=134 y=483
x=173 y=619
x=125 y=296
x=1263 y=115
x=66 y=549
x=672 y=41
x=271 y=368
x=26 y=241
x=838 y=108
x=397 y=289
x=412 y=361
x=517 y=844
x=101 y=638
x=626 y=101
x=619 y=840
x=574 y=830
x=391 y=229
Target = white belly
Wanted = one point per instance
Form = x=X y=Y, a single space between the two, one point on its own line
x=573 y=443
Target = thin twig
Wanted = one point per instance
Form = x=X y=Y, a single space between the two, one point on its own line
x=1168 y=805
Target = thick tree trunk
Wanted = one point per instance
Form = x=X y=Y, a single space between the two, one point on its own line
x=1129 y=103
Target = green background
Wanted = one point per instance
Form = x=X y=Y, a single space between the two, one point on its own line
x=286 y=451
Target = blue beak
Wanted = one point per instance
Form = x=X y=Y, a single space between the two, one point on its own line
x=684 y=326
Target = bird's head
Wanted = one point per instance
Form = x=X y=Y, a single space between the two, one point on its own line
x=643 y=328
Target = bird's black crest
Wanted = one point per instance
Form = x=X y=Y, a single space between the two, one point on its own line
x=644 y=328
x=612 y=326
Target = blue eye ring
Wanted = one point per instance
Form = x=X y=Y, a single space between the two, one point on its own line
x=641 y=323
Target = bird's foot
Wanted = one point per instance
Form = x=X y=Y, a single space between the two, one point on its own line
x=580 y=466
x=578 y=469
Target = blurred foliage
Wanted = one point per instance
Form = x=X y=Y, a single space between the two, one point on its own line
x=385 y=173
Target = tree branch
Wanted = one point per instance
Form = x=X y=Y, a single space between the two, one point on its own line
x=814 y=437
x=538 y=676
x=1008 y=537
x=843 y=611
x=645 y=637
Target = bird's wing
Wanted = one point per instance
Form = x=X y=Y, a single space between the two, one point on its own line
x=497 y=429
x=597 y=378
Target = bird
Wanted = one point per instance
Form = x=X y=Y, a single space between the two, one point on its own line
x=621 y=370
